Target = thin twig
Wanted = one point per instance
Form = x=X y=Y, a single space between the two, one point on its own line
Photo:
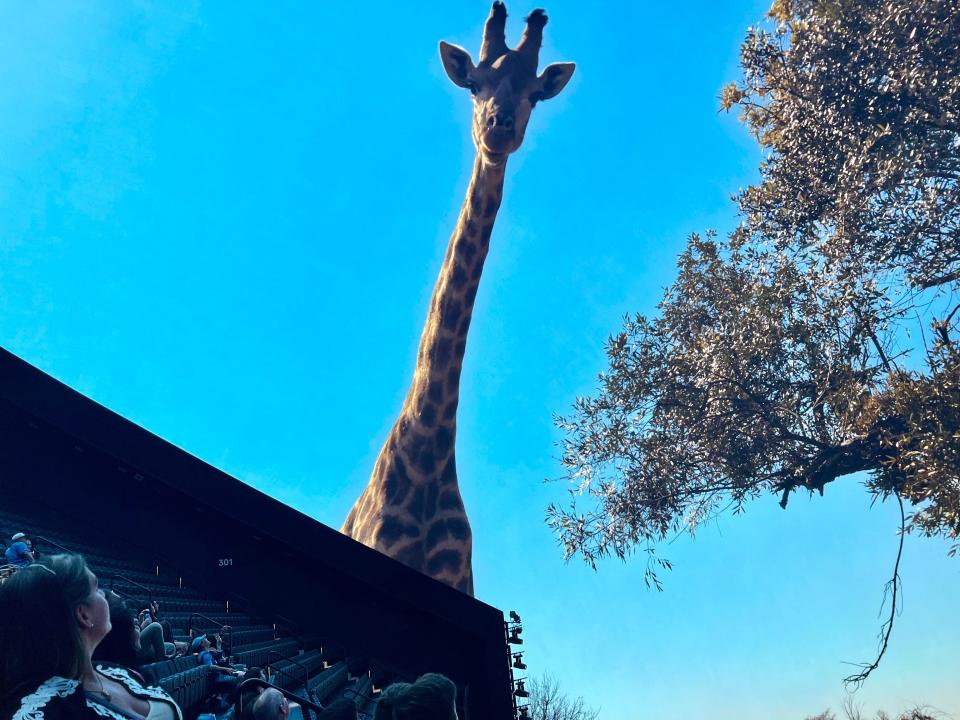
x=887 y=628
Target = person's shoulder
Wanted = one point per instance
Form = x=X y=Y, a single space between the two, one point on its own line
x=49 y=700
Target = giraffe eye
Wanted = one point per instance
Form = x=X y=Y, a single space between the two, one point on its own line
x=472 y=87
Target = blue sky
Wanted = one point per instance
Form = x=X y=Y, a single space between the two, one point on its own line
x=224 y=222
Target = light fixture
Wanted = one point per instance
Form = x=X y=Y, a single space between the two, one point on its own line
x=521 y=691
x=515 y=638
x=524 y=715
x=518 y=661
x=514 y=617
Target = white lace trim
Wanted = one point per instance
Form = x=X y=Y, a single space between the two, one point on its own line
x=135 y=688
x=105 y=711
x=31 y=707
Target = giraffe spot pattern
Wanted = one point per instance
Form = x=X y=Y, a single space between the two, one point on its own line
x=441 y=350
x=393 y=529
x=422 y=453
x=464 y=324
x=428 y=415
x=430 y=502
x=468 y=250
x=444 y=439
x=465 y=585
x=397 y=485
x=450 y=500
x=453 y=379
x=416 y=504
x=470 y=295
x=471 y=228
x=435 y=391
x=411 y=556
x=436 y=533
x=458 y=277
x=491 y=206
x=443 y=560
x=452 y=315
x=443 y=528
x=450 y=411
x=449 y=474
x=477 y=271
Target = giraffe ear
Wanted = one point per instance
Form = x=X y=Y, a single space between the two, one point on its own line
x=457 y=63
x=554 y=78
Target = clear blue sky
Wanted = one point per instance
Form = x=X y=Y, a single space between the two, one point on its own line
x=224 y=222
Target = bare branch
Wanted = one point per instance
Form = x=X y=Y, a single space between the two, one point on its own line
x=893 y=587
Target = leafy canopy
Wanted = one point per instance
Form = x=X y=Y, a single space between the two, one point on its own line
x=819 y=338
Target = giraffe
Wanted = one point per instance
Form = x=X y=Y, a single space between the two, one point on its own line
x=411 y=509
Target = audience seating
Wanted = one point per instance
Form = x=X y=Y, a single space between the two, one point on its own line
x=254 y=643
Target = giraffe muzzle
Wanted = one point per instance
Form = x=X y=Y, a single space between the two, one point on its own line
x=499 y=137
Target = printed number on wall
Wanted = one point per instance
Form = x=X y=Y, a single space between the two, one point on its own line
x=224 y=562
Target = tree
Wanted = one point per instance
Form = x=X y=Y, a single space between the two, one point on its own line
x=851 y=711
x=819 y=339
x=548 y=702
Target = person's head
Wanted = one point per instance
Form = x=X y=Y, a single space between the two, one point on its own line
x=21 y=537
x=431 y=697
x=121 y=644
x=342 y=709
x=52 y=616
x=271 y=705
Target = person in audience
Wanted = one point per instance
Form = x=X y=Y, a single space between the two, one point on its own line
x=226 y=679
x=431 y=697
x=208 y=652
x=126 y=644
x=20 y=552
x=150 y=616
x=342 y=709
x=271 y=704
x=52 y=618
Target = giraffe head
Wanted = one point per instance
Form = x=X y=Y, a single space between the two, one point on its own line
x=504 y=84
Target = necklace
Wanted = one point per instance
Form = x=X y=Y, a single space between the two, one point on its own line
x=106 y=693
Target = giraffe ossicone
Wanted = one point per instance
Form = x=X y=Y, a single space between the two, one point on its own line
x=411 y=509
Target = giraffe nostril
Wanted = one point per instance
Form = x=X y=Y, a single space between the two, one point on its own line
x=499 y=120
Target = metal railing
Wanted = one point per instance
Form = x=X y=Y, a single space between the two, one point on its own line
x=48 y=541
x=114 y=578
x=281 y=656
x=357 y=694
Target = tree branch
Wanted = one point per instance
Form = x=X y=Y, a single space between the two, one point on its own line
x=887 y=628
x=941 y=280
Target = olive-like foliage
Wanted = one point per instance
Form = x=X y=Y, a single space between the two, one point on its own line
x=820 y=338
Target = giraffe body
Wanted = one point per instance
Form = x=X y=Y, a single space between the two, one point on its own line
x=411 y=509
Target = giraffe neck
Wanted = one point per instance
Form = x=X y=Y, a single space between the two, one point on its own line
x=435 y=391
x=411 y=509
